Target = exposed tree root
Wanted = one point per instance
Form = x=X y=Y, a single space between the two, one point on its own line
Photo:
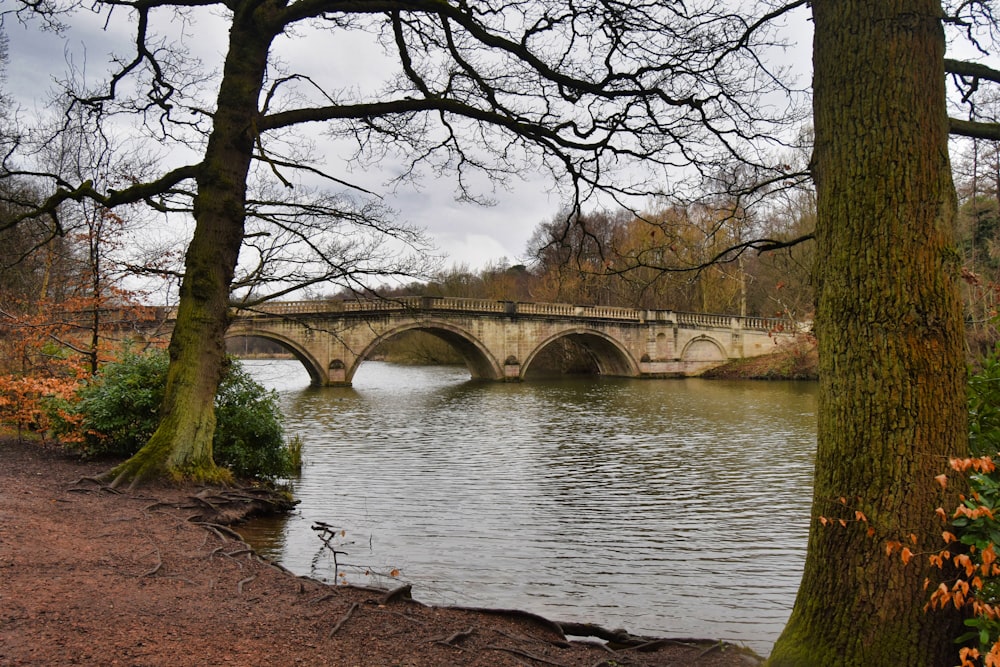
x=232 y=506
x=656 y=644
x=244 y=581
x=158 y=567
x=222 y=532
x=241 y=552
x=343 y=619
x=717 y=646
x=97 y=481
x=622 y=640
x=404 y=592
x=561 y=643
x=517 y=613
x=455 y=638
x=525 y=654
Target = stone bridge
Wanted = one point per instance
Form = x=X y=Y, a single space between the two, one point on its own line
x=499 y=339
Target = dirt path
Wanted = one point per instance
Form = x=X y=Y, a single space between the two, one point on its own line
x=91 y=577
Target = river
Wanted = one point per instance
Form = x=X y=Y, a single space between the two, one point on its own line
x=667 y=507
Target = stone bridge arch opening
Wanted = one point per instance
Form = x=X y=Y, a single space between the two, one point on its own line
x=478 y=360
x=580 y=352
x=317 y=374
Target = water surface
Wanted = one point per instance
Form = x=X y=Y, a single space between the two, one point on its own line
x=668 y=507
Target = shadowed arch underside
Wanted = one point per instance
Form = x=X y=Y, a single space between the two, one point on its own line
x=480 y=362
x=606 y=354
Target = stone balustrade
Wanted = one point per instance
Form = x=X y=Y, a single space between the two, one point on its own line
x=516 y=308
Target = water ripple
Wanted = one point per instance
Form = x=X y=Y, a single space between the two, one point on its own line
x=668 y=507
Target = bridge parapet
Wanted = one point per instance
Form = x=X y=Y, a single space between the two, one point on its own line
x=518 y=308
x=705 y=320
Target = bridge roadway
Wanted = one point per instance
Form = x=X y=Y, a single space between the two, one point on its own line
x=499 y=339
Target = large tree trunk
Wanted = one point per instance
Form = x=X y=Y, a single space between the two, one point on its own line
x=182 y=444
x=892 y=380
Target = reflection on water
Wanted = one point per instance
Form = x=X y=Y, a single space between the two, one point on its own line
x=670 y=508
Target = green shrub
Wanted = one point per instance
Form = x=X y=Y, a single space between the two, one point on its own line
x=118 y=412
x=976 y=524
x=984 y=407
x=249 y=438
x=118 y=408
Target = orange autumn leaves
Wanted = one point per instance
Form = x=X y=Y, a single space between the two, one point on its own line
x=969 y=557
x=969 y=560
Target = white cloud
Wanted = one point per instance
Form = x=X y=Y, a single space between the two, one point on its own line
x=469 y=234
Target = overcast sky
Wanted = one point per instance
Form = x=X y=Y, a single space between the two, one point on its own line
x=465 y=233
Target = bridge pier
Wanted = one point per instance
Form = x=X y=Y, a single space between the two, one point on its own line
x=337 y=374
x=512 y=369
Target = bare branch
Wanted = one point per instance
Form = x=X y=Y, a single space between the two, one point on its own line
x=974 y=129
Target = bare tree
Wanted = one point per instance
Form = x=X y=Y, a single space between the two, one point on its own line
x=478 y=90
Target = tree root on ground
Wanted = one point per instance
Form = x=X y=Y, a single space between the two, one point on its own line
x=404 y=592
x=232 y=506
x=343 y=619
x=454 y=638
x=517 y=613
x=157 y=567
x=96 y=481
x=226 y=507
x=243 y=582
x=222 y=532
x=525 y=654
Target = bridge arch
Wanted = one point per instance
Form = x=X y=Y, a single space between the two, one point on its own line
x=704 y=348
x=317 y=374
x=482 y=364
x=609 y=354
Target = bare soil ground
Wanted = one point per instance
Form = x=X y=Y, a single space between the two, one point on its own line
x=92 y=577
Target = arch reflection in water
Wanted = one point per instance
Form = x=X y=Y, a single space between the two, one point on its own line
x=671 y=508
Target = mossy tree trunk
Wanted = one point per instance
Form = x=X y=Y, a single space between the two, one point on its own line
x=892 y=379
x=181 y=447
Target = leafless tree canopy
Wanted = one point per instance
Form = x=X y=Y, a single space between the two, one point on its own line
x=477 y=92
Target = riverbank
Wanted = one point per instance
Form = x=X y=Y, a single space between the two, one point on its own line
x=95 y=577
x=794 y=362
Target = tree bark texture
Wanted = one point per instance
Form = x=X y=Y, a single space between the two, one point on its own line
x=182 y=445
x=892 y=372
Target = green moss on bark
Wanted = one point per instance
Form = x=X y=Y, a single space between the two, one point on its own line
x=181 y=448
x=888 y=323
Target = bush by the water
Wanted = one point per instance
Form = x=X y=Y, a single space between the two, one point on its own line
x=117 y=411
